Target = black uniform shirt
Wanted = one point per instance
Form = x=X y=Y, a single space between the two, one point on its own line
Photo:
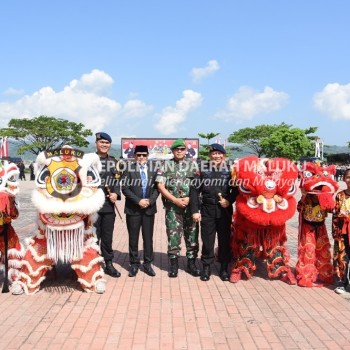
x=205 y=190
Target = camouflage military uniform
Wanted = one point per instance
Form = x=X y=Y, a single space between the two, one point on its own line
x=177 y=177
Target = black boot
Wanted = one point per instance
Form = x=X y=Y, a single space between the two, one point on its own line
x=206 y=272
x=111 y=270
x=192 y=268
x=173 y=267
x=224 y=275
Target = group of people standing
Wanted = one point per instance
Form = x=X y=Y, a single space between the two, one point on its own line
x=22 y=175
x=195 y=200
x=190 y=197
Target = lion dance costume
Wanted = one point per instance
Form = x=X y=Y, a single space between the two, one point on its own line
x=67 y=198
x=314 y=257
x=8 y=211
x=264 y=203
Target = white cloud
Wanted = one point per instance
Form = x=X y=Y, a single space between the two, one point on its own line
x=172 y=117
x=82 y=100
x=12 y=91
x=247 y=102
x=334 y=101
x=136 y=109
x=96 y=82
x=200 y=73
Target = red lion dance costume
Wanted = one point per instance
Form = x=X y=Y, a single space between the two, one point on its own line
x=314 y=257
x=264 y=203
x=8 y=211
x=67 y=199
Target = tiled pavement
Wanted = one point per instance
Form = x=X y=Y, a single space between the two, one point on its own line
x=163 y=313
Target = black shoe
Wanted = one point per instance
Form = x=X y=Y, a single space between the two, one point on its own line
x=149 y=270
x=173 y=268
x=223 y=273
x=111 y=270
x=192 y=268
x=205 y=274
x=133 y=270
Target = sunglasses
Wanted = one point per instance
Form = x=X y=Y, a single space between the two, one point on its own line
x=180 y=148
x=141 y=154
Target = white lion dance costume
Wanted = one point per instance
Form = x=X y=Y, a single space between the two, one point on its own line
x=67 y=198
x=8 y=211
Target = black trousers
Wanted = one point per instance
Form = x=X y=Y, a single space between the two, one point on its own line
x=209 y=227
x=146 y=223
x=104 y=231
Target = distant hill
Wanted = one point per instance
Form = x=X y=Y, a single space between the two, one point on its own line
x=335 y=149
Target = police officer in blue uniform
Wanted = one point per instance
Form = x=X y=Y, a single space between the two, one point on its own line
x=106 y=215
x=212 y=196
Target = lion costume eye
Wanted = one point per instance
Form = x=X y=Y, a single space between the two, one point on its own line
x=244 y=189
x=292 y=189
x=42 y=175
x=307 y=174
x=94 y=177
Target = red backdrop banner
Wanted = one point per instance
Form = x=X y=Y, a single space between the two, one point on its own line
x=159 y=149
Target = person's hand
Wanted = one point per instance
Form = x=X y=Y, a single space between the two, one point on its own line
x=144 y=203
x=197 y=217
x=181 y=202
x=224 y=203
x=186 y=200
x=112 y=197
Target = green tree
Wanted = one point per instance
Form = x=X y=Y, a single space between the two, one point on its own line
x=276 y=140
x=208 y=136
x=288 y=143
x=42 y=133
x=251 y=137
x=204 y=148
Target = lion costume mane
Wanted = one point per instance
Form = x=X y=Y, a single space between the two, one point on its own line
x=264 y=203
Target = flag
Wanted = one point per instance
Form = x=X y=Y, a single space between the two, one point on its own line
x=4 y=147
x=225 y=141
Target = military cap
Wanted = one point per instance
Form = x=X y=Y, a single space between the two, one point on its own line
x=178 y=143
x=141 y=148
x=103 y=136
x=217 y=147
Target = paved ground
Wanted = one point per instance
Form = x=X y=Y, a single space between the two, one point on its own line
x=163 y=313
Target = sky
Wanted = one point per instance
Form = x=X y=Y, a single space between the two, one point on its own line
x=169 y=69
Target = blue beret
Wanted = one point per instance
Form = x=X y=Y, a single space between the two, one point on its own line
x=178 y=143
x=103 y=136
x=217 y=147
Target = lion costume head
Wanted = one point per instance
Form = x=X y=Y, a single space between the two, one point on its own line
x=266 y=190
x=320 y=181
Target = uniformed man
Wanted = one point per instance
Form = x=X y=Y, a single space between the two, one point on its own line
x=174 y=185
x=214 y=210
x=106 y=215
